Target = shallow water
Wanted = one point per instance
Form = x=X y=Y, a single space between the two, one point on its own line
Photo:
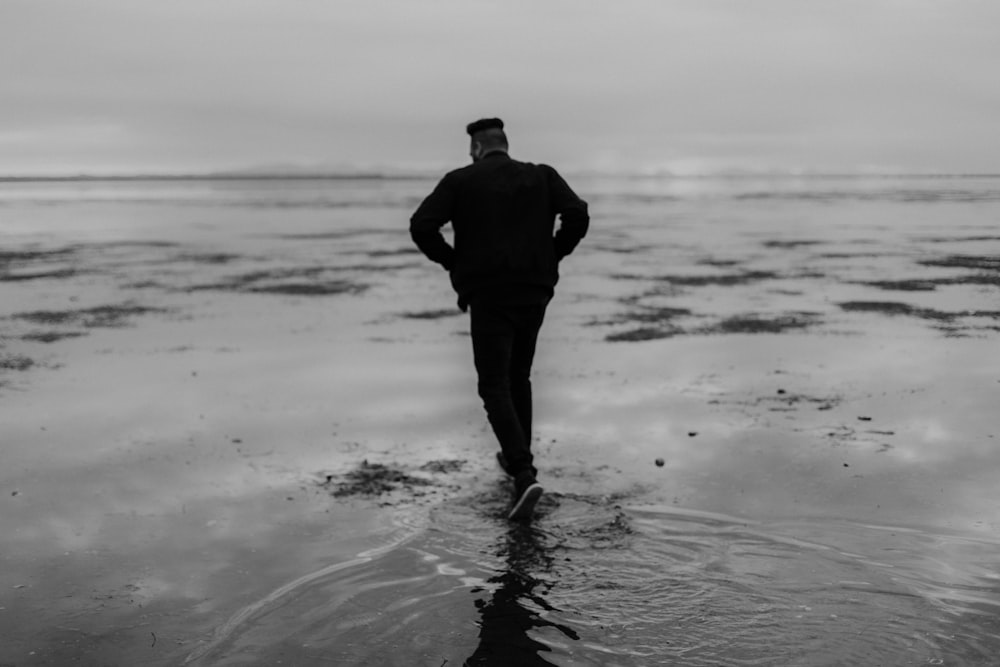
x=189 y=368
x=594 y=582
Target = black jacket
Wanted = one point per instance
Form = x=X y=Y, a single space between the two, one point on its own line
x=503 y=214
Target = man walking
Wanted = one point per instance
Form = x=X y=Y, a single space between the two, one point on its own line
x=504 y=266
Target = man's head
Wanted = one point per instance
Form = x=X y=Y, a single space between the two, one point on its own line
x=486 y=136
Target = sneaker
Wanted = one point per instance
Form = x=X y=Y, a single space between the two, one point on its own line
x=527 y=491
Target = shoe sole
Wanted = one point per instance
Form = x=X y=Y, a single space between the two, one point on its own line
x=526 y=503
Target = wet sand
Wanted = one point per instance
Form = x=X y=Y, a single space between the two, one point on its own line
x=240 y=427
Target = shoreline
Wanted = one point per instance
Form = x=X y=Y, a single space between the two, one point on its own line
x=432 y=175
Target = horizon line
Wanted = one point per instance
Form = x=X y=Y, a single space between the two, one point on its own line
x=423 y=175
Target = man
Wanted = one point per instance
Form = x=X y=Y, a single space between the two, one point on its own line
x=504 y=266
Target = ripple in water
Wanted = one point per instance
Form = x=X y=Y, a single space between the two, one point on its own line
x=594 y=581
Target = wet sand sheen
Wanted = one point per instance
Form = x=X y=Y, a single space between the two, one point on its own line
x=597 y=584
x=817 y=378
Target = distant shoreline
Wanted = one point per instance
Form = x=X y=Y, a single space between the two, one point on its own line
x=214 y=177
x=367 y=176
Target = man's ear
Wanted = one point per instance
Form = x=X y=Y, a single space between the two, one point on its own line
x=477 y=149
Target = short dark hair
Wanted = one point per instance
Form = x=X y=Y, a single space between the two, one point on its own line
x=484 y=124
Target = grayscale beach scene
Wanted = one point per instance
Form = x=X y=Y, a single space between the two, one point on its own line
x=238 y=412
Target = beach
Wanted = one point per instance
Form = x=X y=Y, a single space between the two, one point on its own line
x=239 y=426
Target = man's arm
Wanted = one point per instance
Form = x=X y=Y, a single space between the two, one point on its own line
x=573 y=215
x=425 y=225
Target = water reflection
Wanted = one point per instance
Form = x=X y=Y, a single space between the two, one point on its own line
x=517 y=605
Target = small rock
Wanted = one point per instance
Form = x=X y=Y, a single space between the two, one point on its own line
x=659 y=463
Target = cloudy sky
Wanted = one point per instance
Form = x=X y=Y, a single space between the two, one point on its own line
x=688 y=86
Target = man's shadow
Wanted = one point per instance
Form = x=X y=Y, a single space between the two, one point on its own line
x=511 y=612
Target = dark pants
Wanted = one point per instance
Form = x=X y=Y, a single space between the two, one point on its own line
x=503 y=345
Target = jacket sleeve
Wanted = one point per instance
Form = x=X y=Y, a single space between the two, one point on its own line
x=573 y=215
x=425 y=225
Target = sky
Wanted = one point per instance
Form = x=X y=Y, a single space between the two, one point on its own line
x=637 y=86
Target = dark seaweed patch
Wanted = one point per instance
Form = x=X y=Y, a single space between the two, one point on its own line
x=726 y=280
x=276 y=274
x=335 y=236
x=855 y=255
x=27 y=256
x=393 y=253
x=305 y=281
x=15 y=362
x=904 y=285
x=960 y=239
x=144 y=284
x=51 y=336
x=657 y=321
x=629 y=276
x=371 y=479
x=111 y=316
x=444 y=466
x=368 y=268
x=742 y=324
x=647 y=315
x=642 y=334
x=431 y=314
x=134 y=244
x=976 y=279
x=206 y=258
x=979 y=262
x=759 y=324
x=625 y=249
x=58 y=274
x=327 y=288
x=719 y=263
x=896 y=308
x=11 y=260
x=788 y=245
x=892 y=308
x=929 y=285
